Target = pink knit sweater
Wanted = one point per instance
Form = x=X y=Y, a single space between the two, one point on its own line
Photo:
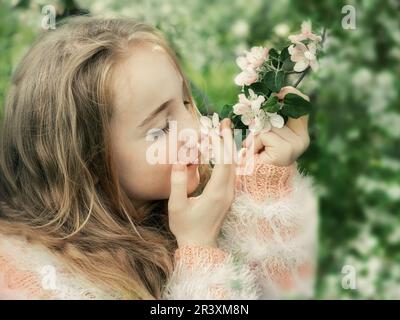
x=266 y=250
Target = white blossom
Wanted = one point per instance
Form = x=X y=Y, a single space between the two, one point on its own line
x=303 y=56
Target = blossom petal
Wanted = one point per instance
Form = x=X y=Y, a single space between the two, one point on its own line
x=243 y=99
x=240 y=109
x=301 y=46
x=252 y=77
x=256 y=104
x=247 y=118
x=242 y=63
x=257 y=56
x=252 y=94
x=297 y=56
x=306 y=27
x=267 y=126
x=297 y=38
x=276 y=120
x=215 y=120
x=312 y=48
x=205 y=122
x=260 y=123
x=314 y=37
x=246 y=77
x=240 y=79
x=306 y=33
x=309 y=56
x=291 y=49
x=300 y=66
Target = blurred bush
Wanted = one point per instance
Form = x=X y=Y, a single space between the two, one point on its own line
x=355 y=126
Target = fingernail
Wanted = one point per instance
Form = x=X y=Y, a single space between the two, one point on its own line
x=224 y=123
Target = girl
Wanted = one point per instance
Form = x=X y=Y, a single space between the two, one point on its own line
x=84 y=215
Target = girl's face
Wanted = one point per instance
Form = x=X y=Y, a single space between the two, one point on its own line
x=148 y=93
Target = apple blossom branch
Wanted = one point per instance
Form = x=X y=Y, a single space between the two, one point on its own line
x=261 y=104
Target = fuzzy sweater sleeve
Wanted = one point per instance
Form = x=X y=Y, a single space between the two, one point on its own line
x=272 y=227
x=203 y=272
x=31 y=272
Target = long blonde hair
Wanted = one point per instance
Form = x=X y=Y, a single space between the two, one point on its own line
x=58 y=183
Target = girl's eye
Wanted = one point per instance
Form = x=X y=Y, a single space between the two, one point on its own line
x=156 y=133
x=186 y=102
x=166 y=128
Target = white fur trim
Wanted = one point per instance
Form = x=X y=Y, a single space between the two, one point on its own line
x=226 y=280
x=241 y=234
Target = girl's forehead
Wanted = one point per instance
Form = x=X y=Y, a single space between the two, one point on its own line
x=146 y=77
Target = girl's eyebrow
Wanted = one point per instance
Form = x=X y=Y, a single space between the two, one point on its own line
x=152 y=115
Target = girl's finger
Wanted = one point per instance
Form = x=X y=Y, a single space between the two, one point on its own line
x=286 y=133
x=221 y=174
x=229 y=147
x=271 y=139
x=299 y=125
x=289 y=89
x=178 y=196
x=254 y=143
x=226 y=144
x=220 y=178
x=299 y=143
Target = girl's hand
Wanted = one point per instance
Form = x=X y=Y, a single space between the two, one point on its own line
x=197 y=220
x=281 y=146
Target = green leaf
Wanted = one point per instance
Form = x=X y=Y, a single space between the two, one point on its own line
x=226 y=111
x=288 y=65
x=272 y=104
x=274 y=56
x=295 y=106
x=274 y=80
x=284 y=54
x=259 y=88
x=273 y=53
x=238 y=124
x=272 y=100
x=274 y=108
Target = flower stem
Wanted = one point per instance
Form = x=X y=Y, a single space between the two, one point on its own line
x=304 y=73
x=292 y=72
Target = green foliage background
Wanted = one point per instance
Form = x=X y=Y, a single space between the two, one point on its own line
x=354 y=155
